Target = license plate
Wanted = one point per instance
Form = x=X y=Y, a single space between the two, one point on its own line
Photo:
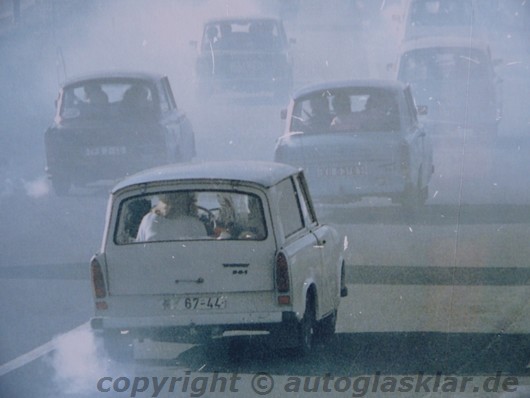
x=106 y=151
x=196 y=303
x=343 y=171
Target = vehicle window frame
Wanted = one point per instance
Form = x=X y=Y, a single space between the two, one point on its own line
x=304 y=198
x=169 y=93
x=116 y=228
x=299 y=212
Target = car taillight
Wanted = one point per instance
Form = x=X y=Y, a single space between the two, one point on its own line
x=404 y=158
x=98 y=283
x=282 y=279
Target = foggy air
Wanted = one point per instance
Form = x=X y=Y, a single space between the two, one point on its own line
x=423 y=197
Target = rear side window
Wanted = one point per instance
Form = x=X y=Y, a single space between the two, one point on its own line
x=190 y=215
x=290 y=211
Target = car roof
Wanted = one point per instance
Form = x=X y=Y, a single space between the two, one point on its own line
x=265 y=174
x=114 y=75
x=444 y=41
x=393 y=85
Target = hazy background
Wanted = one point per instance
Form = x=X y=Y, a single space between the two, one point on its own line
x=46 y=241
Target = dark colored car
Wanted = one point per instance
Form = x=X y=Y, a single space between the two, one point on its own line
x=111 y=125
x=244 y=55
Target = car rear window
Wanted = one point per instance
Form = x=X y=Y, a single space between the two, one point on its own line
x=108 y=99
x=444 y=64
x=190 y=215
x=347 y=110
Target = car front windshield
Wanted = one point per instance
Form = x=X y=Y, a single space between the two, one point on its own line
x=190 y=215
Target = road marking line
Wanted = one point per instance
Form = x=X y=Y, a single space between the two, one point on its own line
x=30 y=356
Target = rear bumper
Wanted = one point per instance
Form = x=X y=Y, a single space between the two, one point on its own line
x=84 y=170
x=245 y=84
x=350 y=191
x=196 y=328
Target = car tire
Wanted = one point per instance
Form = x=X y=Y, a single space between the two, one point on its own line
x=410 y=199
x=61 y=185
x=325 y=328
x=119 y=348
x=306 y=328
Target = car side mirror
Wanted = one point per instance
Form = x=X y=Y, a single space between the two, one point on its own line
x=283 y=114
x=422 y=109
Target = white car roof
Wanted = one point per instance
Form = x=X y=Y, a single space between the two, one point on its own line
x=265 y=174
x=333 y=85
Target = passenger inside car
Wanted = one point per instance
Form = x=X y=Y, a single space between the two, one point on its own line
x=380 y=113
x=95 y=95
x=345 y=119
x=173 y=218
x=320 y=117
x=136 y=101
x=226 y=221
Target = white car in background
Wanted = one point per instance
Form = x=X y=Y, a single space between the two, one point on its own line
x=456 y=79
x=260 y=262
x=357 y=139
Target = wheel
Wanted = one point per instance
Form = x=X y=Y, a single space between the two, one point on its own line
x=423 y=195
x=119 y=347
x=325 y=328
x=411 y=197
x=343 y=287
x=61 y=185
x=415 y=196
x=306 y=328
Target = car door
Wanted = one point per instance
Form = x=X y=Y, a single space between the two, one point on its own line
x=298 y=243
x=420 y=157
x=326 y=244
x=180 y=138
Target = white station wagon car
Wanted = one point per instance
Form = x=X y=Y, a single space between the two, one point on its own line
x=192 y=251
x=358 y=139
